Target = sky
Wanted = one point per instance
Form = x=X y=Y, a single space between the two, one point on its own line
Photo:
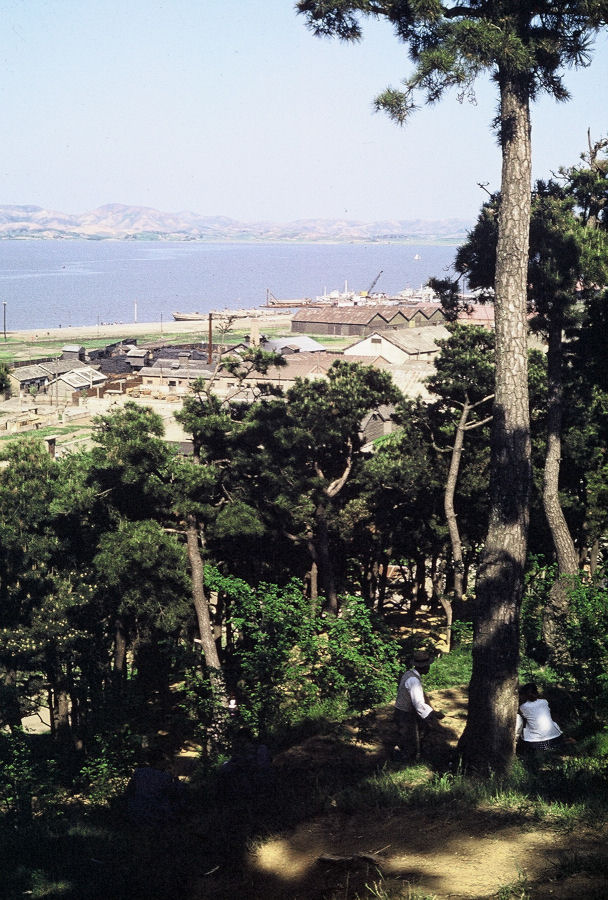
x=234 y=108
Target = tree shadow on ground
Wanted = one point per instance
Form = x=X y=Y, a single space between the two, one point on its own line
x=84 y=851
x=326 y=823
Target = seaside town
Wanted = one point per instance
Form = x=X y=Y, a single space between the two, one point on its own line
x=79 y=383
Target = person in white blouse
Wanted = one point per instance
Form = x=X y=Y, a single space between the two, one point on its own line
x=535 y=726
x=414 y=716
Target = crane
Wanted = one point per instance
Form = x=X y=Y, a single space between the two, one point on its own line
x=373 y=284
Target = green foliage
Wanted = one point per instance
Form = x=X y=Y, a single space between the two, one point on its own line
x=584 y=665
x=143 y=571
x=109 y=764
x=451 y=669
x=465 y=367
x=17 y=776
x=540 y=577
x=451 y=46
x=288 y=659
x=586 y=631
x=5 y=381
x=276 y=643
x=362 y=659
x=195 y=700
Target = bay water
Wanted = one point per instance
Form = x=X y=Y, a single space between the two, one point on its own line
x=53 y=283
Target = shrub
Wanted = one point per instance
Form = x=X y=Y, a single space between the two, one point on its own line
x=289 y=660
x=17 y=776
x=586 y=630
x=584 y=665
x=363 y=662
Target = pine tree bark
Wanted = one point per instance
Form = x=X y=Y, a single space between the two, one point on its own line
x=201 y=607
x=448 y=501
x=119 y=671
x=488 y=741
x=326 y=566
x=566 y=555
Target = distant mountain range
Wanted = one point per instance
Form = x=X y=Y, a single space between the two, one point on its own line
x=119 y=222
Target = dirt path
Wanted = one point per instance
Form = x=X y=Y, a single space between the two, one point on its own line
x=453 y=857
x=447 y=854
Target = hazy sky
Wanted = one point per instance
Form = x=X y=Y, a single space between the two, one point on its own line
x=232 y=107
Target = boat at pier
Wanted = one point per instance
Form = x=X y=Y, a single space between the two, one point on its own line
x=189 y=316
x=353 y=298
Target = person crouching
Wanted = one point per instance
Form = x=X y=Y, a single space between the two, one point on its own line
x=414 y=716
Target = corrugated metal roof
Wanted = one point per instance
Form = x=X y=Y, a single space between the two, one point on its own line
x=81 y=378
x=301 y=343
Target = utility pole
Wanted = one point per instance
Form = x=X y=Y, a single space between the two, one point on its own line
x=4 y=316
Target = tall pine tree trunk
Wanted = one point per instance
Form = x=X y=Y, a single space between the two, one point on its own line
x=119 y=671
x=488 y=741
x=556 y=608
x=448 y=501
x=203 y=616
x=326 y=565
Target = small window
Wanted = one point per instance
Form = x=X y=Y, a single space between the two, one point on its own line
x=376 y=340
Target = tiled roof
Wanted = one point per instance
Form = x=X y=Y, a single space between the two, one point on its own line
x=419 y=340
x=363 y=315
x=304 y=364
x=411 y=340
x=478 y=313
x=30 y=373
x=167 y=371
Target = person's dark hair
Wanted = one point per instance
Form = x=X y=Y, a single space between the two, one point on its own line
x=528 y=692
x=420 y=658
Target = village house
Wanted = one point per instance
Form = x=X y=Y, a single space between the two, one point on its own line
x=73 y=353
x=76 y=380
x=400 y=347
x=173 y=376
x=376 y=424
x=36 y=377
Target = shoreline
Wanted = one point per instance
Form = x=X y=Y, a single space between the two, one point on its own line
x=69 y=333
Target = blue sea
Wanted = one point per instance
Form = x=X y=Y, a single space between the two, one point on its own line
x=53 y=283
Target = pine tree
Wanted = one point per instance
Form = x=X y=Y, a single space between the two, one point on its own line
x=523 y=46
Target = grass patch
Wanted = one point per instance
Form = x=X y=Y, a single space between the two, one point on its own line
x=47 y=431
x=383 y=889
x=516 y=890
x=450 y=669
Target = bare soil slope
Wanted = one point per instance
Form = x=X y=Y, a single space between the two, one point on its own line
x=421 y=853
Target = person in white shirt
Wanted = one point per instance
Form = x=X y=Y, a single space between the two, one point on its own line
x=535 y=725
x=414 y=716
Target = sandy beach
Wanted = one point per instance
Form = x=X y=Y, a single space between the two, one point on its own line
x=271 y=318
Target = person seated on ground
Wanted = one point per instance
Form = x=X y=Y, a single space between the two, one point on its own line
x=248 y=769
x=153 y=794
x=414 y=716
x=535 y=726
